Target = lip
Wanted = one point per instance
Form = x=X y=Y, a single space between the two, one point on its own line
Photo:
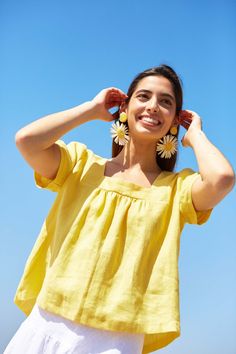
x=149 y=123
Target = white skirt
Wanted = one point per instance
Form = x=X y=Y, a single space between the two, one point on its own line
x=43 y=332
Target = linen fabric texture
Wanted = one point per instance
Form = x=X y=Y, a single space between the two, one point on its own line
x=107 y=253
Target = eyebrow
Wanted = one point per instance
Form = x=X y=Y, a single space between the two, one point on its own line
x=162 y=94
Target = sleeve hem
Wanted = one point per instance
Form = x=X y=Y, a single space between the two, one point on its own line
x=193 y=216
x=52 y=184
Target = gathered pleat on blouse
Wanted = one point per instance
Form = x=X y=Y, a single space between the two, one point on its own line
x=107 y=253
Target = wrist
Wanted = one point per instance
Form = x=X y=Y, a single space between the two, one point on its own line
x=196 y=136
x=87 y=109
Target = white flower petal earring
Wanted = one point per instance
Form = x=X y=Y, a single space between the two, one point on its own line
x=167 y=146
x=119 y=131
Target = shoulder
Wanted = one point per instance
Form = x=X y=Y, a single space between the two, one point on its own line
x=185 y=179
x=185 y=172
x=76 y=151
x=183 y=176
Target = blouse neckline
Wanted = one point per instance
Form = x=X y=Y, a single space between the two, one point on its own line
x=125 y=183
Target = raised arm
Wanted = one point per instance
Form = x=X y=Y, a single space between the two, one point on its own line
x=36 y=141
x=217 y=175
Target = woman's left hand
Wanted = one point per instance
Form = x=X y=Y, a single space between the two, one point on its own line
x=190 y=121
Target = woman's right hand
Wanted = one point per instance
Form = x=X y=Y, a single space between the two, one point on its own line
x=107 y=99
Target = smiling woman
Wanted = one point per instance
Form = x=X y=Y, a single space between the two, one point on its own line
x=160 y=89
x=103 y=275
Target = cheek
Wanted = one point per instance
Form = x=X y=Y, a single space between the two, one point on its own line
x=134 y=110
x=169 y=113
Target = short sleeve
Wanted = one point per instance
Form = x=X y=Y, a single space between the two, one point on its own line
x=186 y=179
x=73 y=156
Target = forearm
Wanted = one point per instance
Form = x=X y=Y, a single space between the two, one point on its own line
x=213 y=166
x=42 y=133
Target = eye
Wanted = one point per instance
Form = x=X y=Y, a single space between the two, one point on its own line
x=167 y=101
x=143 y=95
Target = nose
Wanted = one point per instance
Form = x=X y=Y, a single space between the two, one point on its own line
x=153 y=106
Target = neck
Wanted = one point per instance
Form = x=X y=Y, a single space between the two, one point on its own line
x=139 y=155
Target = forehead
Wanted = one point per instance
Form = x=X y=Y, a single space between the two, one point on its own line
x=155 y=84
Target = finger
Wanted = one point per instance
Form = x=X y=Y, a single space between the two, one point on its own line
x=116 y=96
x=110 y=116
x=118 y=92
x=182 y=142
x=118 y=100
x=115 y=92
x=186 y=113
x=185 y=122
x=185 y=116
x=185 y=125
x=188 y=119
x=114 y=103
x=116 y=115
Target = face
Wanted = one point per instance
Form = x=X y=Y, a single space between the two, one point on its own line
x=152 y=108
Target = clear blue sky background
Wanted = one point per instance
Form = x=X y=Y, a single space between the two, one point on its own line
x=58 y=54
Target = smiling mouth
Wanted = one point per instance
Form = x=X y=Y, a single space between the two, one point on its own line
x=150 y=121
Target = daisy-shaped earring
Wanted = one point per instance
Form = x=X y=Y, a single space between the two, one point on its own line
x=120 y=133
x=167 y=146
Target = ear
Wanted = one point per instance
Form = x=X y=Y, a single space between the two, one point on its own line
x=175 y=121
x=123 y=107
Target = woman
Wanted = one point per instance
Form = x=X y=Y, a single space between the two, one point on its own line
x=103 y=274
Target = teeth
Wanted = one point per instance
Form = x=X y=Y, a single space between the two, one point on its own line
x=150 y=120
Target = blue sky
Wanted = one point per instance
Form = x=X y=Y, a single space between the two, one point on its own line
x=58 y=54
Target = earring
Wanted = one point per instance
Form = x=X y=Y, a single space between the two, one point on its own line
x=167 y=146
x=120 y=133
x=123 y=117
x=173 y=130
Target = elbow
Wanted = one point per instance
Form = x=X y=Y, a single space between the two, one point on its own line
x=20 y=137
x=22 y=141
x=227 y=181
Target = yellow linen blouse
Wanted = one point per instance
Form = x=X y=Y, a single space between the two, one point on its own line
x=107 y=253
